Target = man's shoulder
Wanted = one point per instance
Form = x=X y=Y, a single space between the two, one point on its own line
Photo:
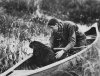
x=69 y=22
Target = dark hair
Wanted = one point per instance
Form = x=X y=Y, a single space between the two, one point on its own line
x=52 y=22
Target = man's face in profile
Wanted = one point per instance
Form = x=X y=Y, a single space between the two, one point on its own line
x=54 y=28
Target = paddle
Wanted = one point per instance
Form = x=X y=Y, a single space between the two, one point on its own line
x=72 y=48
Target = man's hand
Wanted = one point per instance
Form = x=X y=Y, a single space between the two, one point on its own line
x=59 y=54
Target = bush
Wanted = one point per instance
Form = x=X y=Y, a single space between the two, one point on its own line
x=79 y=11
x=18 y=7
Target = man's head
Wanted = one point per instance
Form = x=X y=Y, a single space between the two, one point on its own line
x=53 y=23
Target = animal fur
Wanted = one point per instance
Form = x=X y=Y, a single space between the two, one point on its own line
x=42 y=55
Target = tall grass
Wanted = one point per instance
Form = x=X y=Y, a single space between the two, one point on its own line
x=15 y=36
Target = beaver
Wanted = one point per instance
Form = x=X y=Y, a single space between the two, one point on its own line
x=42 y=54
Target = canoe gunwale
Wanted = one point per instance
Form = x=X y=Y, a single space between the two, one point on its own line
x=58 y=62
x=50 y=65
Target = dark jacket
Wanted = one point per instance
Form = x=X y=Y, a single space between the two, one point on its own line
x=63 y=36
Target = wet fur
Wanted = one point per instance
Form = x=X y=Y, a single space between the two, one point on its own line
x=42 y=55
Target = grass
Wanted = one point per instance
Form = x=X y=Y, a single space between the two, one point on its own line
x=15 y=36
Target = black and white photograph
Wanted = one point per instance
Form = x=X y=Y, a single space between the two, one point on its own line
x=49 y=37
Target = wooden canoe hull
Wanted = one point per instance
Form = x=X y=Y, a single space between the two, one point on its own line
x=76 y=63
x=67 y=64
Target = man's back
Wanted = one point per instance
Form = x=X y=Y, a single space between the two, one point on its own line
x=64 y=36
x=80 y=36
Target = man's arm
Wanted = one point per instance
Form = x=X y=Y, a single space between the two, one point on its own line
x=72 y=42
x=52 y=40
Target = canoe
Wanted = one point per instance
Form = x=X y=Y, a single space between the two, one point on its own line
x=68 y=64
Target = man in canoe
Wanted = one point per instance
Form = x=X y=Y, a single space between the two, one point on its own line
x=64 y=34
